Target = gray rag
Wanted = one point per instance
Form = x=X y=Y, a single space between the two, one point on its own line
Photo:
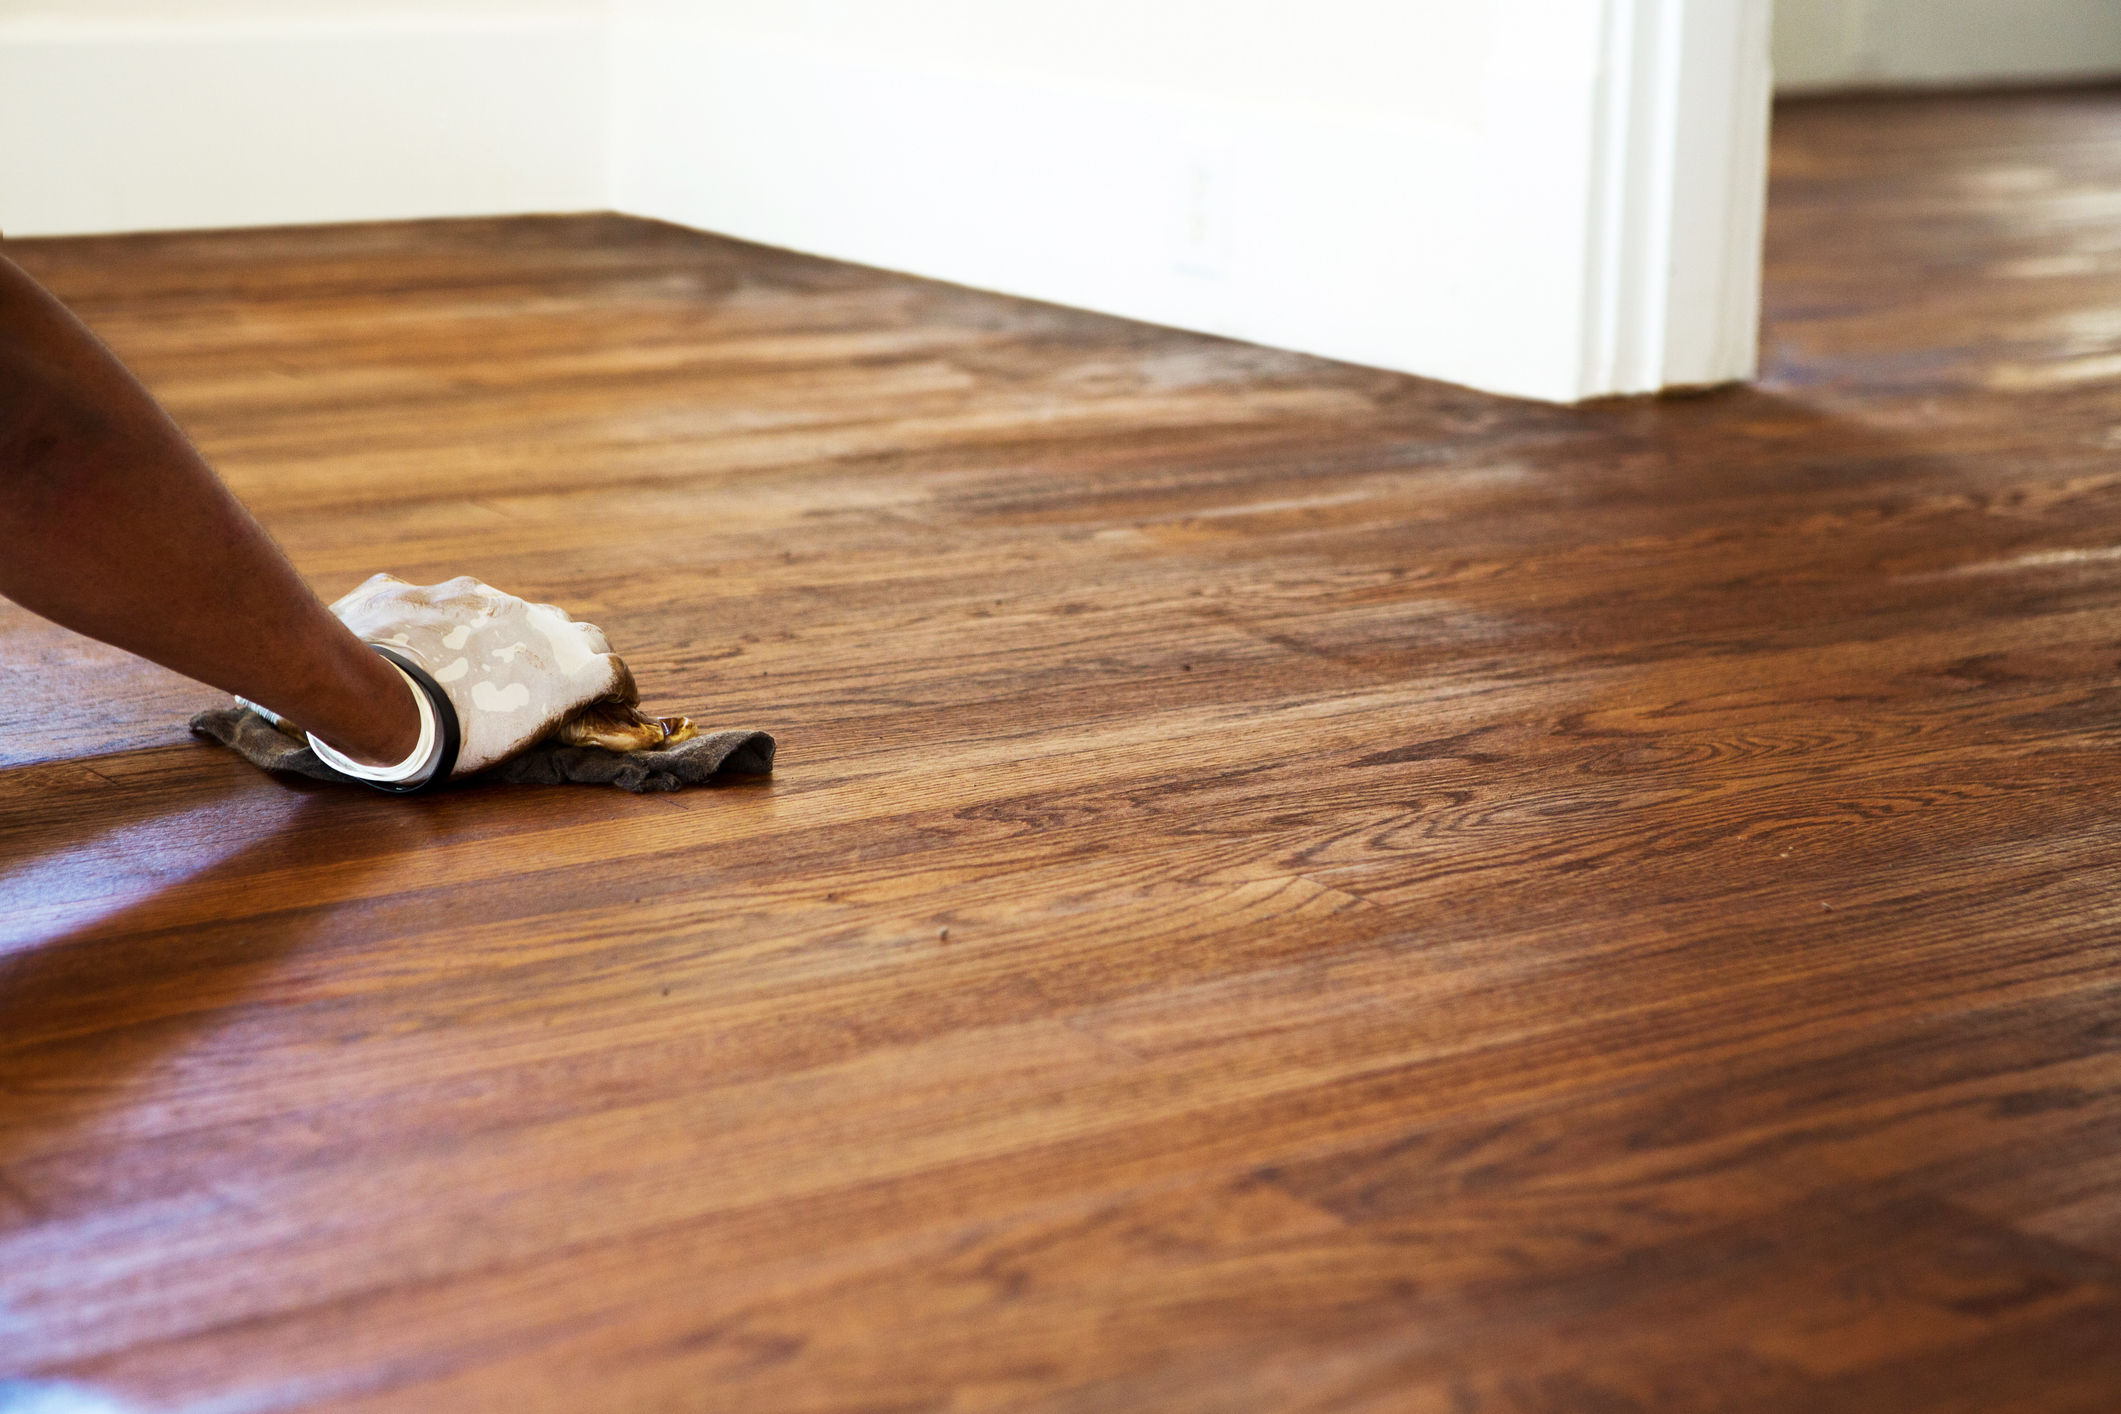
x=691 y=763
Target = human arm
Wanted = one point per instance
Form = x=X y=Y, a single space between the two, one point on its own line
x=113 y=525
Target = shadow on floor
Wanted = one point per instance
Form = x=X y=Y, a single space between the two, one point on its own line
x=138 y=919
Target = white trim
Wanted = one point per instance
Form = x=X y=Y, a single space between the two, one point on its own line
x=1679 y=200
x=1822 y=45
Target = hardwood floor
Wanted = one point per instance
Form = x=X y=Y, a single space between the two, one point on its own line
x=1287 y=887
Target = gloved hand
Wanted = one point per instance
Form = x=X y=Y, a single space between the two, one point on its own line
x=514 y=672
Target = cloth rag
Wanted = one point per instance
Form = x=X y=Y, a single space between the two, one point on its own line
x=690 y=763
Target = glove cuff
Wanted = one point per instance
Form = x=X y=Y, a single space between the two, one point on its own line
x=433 y=761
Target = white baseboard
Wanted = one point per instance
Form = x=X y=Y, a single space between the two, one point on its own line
x=1821 y=45
x=112 y=126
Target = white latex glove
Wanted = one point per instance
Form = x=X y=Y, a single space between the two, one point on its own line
x=515 y=672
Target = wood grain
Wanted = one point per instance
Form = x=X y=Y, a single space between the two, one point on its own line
x=1287 y=888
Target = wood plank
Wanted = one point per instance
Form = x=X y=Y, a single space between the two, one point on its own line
x=1287 y=887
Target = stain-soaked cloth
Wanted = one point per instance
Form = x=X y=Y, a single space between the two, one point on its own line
x=691 y=763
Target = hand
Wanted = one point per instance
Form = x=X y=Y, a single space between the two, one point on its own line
x=516 y=672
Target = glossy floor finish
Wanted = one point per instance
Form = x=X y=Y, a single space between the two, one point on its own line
x=1289 y=888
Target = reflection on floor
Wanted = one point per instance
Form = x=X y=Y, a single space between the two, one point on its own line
x=1288 y=887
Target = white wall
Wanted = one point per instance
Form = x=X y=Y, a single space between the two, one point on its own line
x=1457 y=188
x=123 y=115
x=1415 y=58
x=1827 y=44
x=1521 y=195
